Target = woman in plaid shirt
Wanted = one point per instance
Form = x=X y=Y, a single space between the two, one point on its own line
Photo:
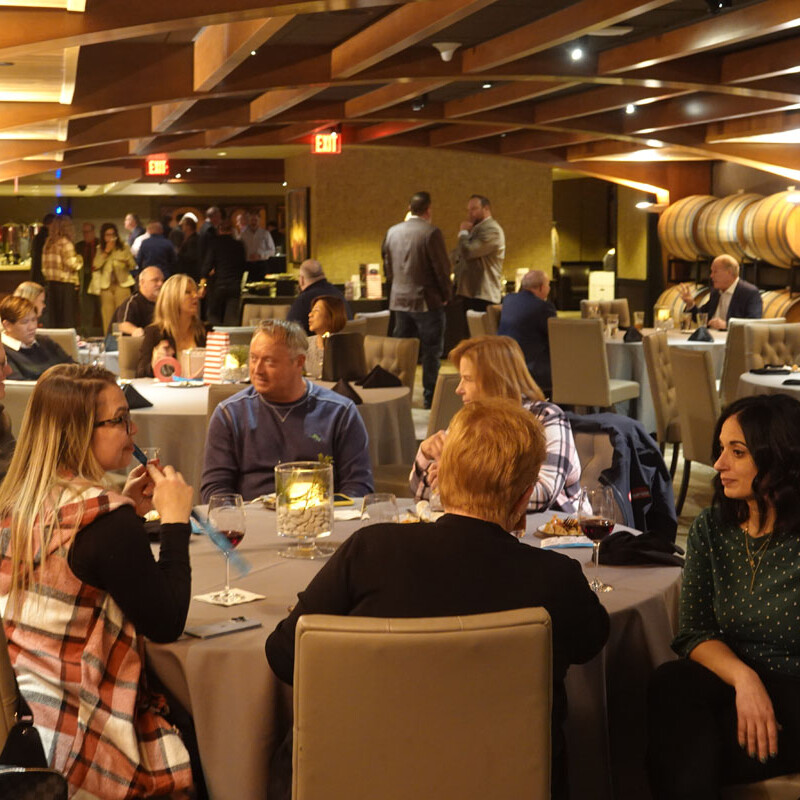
x=60 y=267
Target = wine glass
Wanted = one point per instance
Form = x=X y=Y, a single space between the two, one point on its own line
x=379 y=507
x=596 y=518
x=226 y=514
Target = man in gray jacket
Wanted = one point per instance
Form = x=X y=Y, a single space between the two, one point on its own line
x=478 y=259
x=415 y=264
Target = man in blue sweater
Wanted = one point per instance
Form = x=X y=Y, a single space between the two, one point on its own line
x=282 y=417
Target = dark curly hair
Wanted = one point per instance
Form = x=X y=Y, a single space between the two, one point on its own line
x=771 y=427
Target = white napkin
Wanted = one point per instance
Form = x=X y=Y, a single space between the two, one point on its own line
x=344 y=514
x=241 y=596
x=555 y=542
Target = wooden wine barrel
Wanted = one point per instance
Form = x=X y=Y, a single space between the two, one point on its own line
x=671 y=298
x=780 y=304
x=719 y=228
x=773 y=229
x=677 y=226
x=745 y=225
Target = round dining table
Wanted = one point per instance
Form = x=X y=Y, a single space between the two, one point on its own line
x=242 y=711
x=750 y=384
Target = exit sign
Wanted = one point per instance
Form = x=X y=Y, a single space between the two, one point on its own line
x=157 y=165
x=326 y=143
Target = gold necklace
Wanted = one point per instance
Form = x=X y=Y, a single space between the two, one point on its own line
x=755 y=558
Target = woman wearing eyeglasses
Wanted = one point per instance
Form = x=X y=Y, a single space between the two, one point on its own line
x=79 y=587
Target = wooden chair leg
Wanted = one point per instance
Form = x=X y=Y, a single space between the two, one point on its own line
x=687 y=465
x=676 y=449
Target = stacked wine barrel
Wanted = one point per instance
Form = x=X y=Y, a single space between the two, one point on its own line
x=740 y=225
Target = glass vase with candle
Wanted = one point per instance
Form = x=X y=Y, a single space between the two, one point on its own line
x=304 y=507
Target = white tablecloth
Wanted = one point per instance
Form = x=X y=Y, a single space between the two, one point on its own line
x=750 y=384
x=626 y=361
x=234 y=696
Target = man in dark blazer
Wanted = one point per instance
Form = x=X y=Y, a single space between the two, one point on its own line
x=524 y=318
x=415 y=263
x=467 y=562
x=730 y=297
x=312 y=283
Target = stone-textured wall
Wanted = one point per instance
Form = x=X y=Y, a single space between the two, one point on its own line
x=358 y=195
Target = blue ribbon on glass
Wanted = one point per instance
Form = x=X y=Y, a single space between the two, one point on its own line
x=237 y=561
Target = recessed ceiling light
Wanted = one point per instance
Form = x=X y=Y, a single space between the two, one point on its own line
x=222 y=153
x=487 y=85
x=630 y=108
x=177 y=175
x=252 y=52
x=285 y=183
x=188 y=169
x=576 y=54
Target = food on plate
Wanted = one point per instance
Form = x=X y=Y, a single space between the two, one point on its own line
x=558 y=527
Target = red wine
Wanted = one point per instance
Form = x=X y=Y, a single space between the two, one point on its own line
x=596 y=528
x=234 y=537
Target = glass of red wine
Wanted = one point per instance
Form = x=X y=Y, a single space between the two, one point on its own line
x=596 y=515
x=226 y=514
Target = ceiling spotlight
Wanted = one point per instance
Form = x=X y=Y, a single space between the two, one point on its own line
x=576 y=54
x=177 y=175
x=285 y=183
x=252 y=52
x=188 y=169
x=419 y=103
x=446 y=49
x=630 y=108
x=643 y=204
x=222 y=153
x=486 y=85
x=715 y=6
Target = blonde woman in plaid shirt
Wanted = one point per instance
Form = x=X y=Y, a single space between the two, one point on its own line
x=60 y=267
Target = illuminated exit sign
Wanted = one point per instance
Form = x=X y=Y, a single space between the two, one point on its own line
x=157 y=165
x=326 y=143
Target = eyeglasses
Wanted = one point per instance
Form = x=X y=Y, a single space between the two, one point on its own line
x=123 y=419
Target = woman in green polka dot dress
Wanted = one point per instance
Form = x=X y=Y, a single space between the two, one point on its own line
x=728 y=712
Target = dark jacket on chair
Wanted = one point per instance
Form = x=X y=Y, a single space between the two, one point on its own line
x=638 y=474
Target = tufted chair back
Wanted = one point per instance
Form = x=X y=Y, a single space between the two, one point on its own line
x=733 y=364
x=619 y=307
x=398 y=356
x=771 y=345
x=662 y=387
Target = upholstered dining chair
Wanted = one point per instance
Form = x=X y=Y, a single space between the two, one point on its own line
x=129 y=349
x=344 y=357
x=254 y=311
x=771 y=345
x=619 y=306
x=477 y=323
x=662 y=389
x=579 y=365
x=67 y=338
x=217 y=392
x=493 y=318
x=398 y=356
x=734 y=363
x=356 y=326
x=446 y=403
x=407 y=708
x=698 y=409
x=377 y=322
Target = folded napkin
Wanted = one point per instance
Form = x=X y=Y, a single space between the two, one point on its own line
x=240 y=596
x=701 y=335
x=344 y=388
x=624 y=547
x=632 y=335
x=379 y=378
x=790 y=382
x=771 y=371
x=135 y=400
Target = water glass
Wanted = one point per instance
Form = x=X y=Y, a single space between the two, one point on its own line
x=380 y=507
x=612 y=325
x=638 y=320
x=702 y=319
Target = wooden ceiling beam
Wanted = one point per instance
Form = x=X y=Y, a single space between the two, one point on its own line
x=389 y=95
x=21 y=169
x=215 y=137
x=554 y=30
x=105 y=128
x=275 y=102
x=456 y=134
x=527 y=141
x=163 y=115
x=220 y=49
x=779 y=122
x=499 y=96
x=735 y=26
x=767 y=61
x=17 y=150
x=292 y=133
x=384 y=130
x=403 y=28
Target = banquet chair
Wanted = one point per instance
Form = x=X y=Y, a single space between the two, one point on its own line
x=411 y=708
x=619 y=307
x=579 y=365
x=771 y=345
x=784 y=787
x=129 y=349
x=662 y=389
x=477 y=323
x=492 y=321
x=67 y=338
x=253 y=311
x=733 y=364
x=377 y=322
x=355 y=326
x=446 y=403
x=698 y=409
x=398 y=356
x=18 y=393
x=344 y=357
x=237 y=334
x=217 y=392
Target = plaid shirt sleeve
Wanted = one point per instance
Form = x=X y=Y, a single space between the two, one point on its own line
x=61 y=262
x=558 y=485
x=418 y=479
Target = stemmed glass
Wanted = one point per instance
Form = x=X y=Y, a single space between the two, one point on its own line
x=596 y=514
x=380 y=507
x=226 y=514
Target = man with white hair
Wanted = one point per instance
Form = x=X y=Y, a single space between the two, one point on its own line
x=136 y=312
x=313 y=284
x=524 y=318
x=730 y=297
